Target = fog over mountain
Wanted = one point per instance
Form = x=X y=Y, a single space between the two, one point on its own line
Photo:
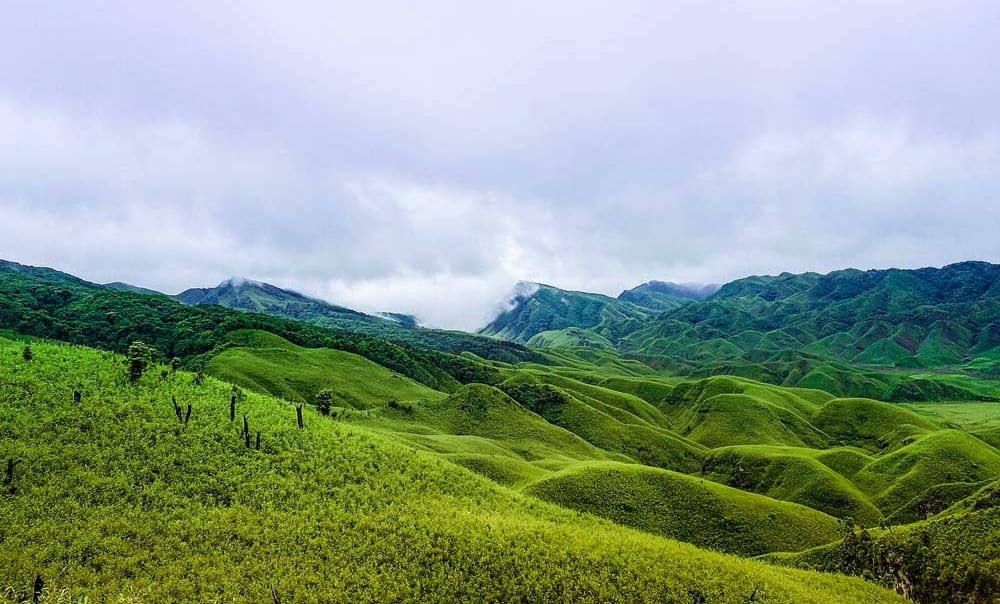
x=424 y=163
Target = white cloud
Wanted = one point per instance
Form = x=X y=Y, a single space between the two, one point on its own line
x=425 y=159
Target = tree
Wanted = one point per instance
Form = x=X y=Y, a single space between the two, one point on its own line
x=324 y=401
x=27 y=354
x=140 y=358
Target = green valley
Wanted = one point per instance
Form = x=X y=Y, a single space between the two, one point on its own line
x=670 y=445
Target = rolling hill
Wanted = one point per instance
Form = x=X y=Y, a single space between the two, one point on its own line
x=133 y=502
x=476 y=463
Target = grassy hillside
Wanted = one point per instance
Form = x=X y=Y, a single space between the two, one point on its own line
x=128 y=503
x=543 y=308
x=869 y=424
x=687 y=508
x=953 y=557
x=942 y=457
x=901 y=318
x=271 y=364
x=792 y=474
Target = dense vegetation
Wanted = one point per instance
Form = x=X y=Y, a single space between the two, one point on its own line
x=130 y=478
x=953 y=557
x=242 y=294
x=131 y=503
x=919 y=318
x=49 y=304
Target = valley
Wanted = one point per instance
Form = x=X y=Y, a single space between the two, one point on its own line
x=800 y=438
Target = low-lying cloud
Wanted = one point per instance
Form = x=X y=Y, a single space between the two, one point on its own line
x=426 y=162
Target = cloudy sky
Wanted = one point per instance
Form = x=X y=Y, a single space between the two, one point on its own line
x=423 y=156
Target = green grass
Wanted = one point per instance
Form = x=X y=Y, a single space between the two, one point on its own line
x=268 y=363
x=117 y=500
x=602 y=425
x=792 y=474
x=971 y=416
x=953 y=557
x=869 y=424
x=946 y=456
x=723 y=411
x=687 y=508
x=483 y=411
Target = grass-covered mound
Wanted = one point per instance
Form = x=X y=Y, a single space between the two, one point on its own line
x=269 y=363
x=870 y=424
x=686 y=508
x=935 y=500
x=734 y=419
x=953 y=557
x=483 y=411
x=116 y=498
x=723 y=411
x=791 y=474
x=946 y=456
x=606 y=426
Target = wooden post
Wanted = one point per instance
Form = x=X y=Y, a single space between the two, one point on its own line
x=187 y=416
x=77 y=397
x=9 y=478
x=275 y=598
x=257 y=444
x=177 y=409
x=246 y=432
x=232 y=407
x=298 y=415
x=37 y=591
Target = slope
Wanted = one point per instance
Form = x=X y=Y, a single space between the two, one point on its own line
x=268 y=363
x=688 y=509
x=537 y=308
x=130 y=503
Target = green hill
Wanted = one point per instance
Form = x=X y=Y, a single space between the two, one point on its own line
x=602 y=425
x=539 y=308
x=686 y=508
x=791 y=474
x=946 y=456
x=954 y=557
x=129 y=503
x=720 y=411
x=271 y=364
x=869 y=424
x=662 y=296
x=907 y=318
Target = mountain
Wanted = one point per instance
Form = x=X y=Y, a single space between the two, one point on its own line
x=254 y=296
x=120 y=286
x=42 y=274
x=535 y=309
x=929 y=317
x=664 y=295
x=365 y=439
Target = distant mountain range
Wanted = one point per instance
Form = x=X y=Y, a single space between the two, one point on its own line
x=928 y=317
x=931 y=317
x=544 y=315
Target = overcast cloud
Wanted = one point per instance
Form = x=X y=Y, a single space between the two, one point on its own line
x=423 y=157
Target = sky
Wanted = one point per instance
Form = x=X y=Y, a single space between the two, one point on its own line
x=423 y=157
